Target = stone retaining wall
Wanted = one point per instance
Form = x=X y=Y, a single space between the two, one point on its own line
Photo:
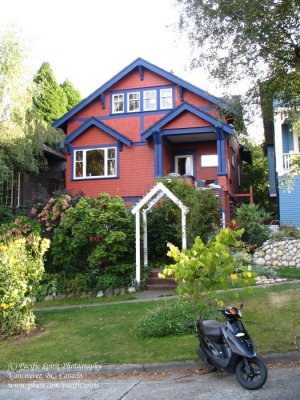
x=278 y=253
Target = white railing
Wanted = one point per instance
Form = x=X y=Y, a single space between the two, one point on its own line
x=287 y=159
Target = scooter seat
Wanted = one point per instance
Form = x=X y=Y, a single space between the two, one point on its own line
x=211 y=328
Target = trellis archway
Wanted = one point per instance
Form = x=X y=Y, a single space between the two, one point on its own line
x=157 y=193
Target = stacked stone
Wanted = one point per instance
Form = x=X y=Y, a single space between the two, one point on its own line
x=278 y=253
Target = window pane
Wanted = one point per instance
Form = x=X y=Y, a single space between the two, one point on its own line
x=95 y=163
x=111 y=153
x=166 y=98
x=111 y=167
x=209 y=160
x=134 y=101
x=118 y=103
x=79 y=155
x=79 y=169
x=150 y=100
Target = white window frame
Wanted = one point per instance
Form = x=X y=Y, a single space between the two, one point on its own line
x=189 y=164
x=163 y=98
x=116 y=95
x=84 y=163
x=137 y=99
x=209 y=160
x=149 y=99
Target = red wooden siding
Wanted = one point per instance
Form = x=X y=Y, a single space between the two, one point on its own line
x=93 y=137
x=133 y=81
x=186 y=120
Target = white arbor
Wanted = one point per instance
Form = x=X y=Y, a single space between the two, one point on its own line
x=150 y=199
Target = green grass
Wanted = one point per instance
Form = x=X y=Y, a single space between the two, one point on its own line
x=107 y=334
x=292 y=273
x=85 y=300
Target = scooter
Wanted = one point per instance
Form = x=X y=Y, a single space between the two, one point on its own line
x=229 y=347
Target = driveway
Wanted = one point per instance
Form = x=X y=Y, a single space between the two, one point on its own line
x=283 y=383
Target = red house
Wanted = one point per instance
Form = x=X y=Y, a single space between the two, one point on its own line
x=146 y=123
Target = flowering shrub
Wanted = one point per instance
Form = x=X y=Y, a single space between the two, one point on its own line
x=94 y=233
x=21 y=268
x=19 y=228
x=53 y=212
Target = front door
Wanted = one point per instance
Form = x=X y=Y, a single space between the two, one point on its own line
x=184 y=165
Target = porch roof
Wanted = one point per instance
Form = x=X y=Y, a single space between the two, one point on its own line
x=172 y=115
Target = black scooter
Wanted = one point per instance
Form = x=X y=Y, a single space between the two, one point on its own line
x=229 y=347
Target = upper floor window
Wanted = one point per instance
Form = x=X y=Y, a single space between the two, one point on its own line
x=145 y=99
x=133 y=102
x=166 y=99
x=150 y=102
x=95 y=163
x=118 y=103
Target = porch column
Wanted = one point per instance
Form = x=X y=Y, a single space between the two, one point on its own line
x=221 y=151
x=158 y=155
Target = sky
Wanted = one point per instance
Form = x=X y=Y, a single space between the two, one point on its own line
x=89 y=41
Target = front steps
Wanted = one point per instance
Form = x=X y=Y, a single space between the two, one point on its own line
x=156 y=283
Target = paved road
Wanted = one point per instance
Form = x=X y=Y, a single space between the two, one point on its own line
x=283 y=384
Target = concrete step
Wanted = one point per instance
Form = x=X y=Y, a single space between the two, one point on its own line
x=160 y=287
x=159 y=281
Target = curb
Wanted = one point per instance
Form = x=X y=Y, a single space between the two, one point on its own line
x=78 y=371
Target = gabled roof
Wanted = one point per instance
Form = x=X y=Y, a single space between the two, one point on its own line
x=139 y=63
x=192 y=109
x=94 y=122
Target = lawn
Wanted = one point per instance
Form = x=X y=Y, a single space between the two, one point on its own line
x=106 y=334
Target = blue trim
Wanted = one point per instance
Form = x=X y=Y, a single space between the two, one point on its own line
x=272 y=170
x=100 y=146
x=158 y=155
x=132 y=199
x=187 y=131
x=102 y=99
x=94 y=122
x=141 y=72
x=287 y=138
x=181 y=93
x=221 y=152
x=188 y=153
x=139 y=143
x=139 y=62
x=190 y=108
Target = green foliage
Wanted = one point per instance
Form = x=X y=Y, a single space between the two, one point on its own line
x=116 y=276
x=51 y=100
x=244 y=37
x=207 y=268
x=93 y=234
x=256 y=174
x=73 y=95
x=22 y=133
x=6 y=213
x=21 y=268
x=173 y=319
x=164 y=223
x=287 y=231
x=251 y=218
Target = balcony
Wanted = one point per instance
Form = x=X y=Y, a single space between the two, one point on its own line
x=287 y=158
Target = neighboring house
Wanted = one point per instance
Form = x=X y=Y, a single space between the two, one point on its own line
x=146 y=123
x=282 y=145
x=23 y=190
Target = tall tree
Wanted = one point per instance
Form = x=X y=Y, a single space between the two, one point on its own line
x=51 y=101
x=73 y=95
x=237 y=38
x=22 y=133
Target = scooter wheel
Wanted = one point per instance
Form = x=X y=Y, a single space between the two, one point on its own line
x=256 y=377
